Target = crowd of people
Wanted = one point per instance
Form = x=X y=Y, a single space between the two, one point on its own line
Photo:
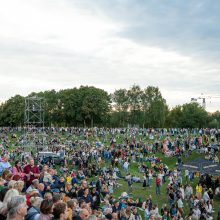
x=97 y=162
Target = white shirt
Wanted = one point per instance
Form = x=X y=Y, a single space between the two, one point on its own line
x=180 y=203
x=126 y=165
x=186 y=172
x=197 y=212
x=206 y=196
x=217 y=190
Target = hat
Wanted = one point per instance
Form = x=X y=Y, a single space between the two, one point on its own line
x=56 y=190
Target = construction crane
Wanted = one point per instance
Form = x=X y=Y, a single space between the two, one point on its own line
x=204 y=98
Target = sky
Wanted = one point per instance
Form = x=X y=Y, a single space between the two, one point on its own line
x=111 y=44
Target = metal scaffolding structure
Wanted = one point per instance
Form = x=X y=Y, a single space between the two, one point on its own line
x=34 y=136
x=34 y=112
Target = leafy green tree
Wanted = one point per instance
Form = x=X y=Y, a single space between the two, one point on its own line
x=135 y=103
x=91 y=106
x=214 y=120
x=154 y=107
x=174 y=117
x=69 y=107
x=50 y=102
x=193 y=116
x=120 y=101
x=12 y=111
x=95 y=105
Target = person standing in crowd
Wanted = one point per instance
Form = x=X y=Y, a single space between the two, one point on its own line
x=199 y=191
x=158 y=185
x=130 y=183
x=206 y=195
x=150 y=178
x=126 y=166
x=31 y=172
x=196 y=213
x=180 y=205
x=188 y=191
x=173 y=211
x=145 y=181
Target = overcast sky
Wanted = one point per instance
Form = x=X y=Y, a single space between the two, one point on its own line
x=111 y=44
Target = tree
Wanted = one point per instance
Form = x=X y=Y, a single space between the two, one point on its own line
x=12 y=111
x=120 y=100
x=50 y=102
x=154 y=107
x=193 y=116
x=92 y=106
x=95 y=105
x=135 y=103
x=69 y=106
x=214 y=120
x=174 y=117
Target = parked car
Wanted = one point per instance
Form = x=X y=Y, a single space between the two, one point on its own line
x=46 y=157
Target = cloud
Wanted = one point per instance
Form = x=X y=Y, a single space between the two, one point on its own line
x=187 y=26
x=110 y=44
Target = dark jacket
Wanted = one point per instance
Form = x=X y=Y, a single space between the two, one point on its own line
x=77 y=217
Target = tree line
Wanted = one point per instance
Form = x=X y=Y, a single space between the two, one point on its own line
x=89 y=106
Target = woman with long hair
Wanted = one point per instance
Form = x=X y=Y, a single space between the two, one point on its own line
x=17 y=169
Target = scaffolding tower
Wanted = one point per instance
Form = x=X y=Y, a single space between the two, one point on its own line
x=34 y=112
x=34 y=134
